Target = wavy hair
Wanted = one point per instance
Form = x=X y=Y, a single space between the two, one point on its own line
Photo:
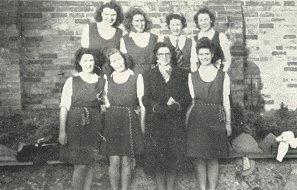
x=204 y=10
x=129 y=18
x=112 y=5
x=178 y=17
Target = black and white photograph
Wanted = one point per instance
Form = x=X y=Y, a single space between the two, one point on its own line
x=148 y=95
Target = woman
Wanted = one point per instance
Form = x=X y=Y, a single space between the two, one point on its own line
x=176 y=22
x=205 y=20
x=139 y=42
x=166 y=98
x=104 y=33
x=122 y=131
x=209 y=120
x=80 y=119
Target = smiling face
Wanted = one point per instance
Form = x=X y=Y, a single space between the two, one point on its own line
x=204 y=21
x=164 y=56
x=205 y=56
x=109 y=16
x=138 y=23
x=87 y=63
x=117 y=62
x=176 y=27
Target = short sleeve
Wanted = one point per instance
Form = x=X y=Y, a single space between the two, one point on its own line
x=223 y=40
x=194 y=58
x=107 y=104
x=140 y=87
x=67 y=94
x=191 y=87
x=226 y=85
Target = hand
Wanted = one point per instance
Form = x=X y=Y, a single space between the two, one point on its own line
x=160 y=109
x=229 y=129
x=62 y=138
x=174 y=107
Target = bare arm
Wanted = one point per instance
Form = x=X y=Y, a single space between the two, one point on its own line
x=62 y=129
x=226 y=104
x=224 y=43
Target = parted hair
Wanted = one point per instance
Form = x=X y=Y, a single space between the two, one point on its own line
x=178 y=17
x=96 y=55
x=171 y=49
x=112 y=5
x=204 y=10
x=129 y=18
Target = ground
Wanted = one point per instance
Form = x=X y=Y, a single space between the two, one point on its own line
x=268 y=175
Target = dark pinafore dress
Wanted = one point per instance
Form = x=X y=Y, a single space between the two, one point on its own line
x=218 y=54
x=100 y=44
x=141 y=57
x=83 y=123
x=206 y=135
x=122 y=126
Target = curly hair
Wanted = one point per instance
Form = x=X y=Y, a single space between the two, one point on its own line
x=96 y=55
x=110 y=51
x=171 y=49
x=204 y=10
x=112 y=5
x=207 y=44
x=178 y=17
x=129 y=18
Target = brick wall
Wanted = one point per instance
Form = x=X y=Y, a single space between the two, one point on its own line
x=262 y=37
x=271 y=28
x=10 y=86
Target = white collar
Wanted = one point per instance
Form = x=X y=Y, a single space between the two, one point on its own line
x=128 y=71
x=138 y=34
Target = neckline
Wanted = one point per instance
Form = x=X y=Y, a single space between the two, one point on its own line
x=149 y=41
x=208 y=81
x=116 y=29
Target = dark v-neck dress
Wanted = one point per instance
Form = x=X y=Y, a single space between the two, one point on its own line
x=122 y=126
x=206 y=135
x=83 y=123
x=141 y=56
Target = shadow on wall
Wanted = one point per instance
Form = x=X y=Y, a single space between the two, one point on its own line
x=253 y=99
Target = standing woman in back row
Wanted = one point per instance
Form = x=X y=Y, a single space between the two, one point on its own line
x=205 y=20
x=104 y=33
x=182 y=45
x=139 y=42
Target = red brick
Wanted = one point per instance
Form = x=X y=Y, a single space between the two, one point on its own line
x=292 y=63
x=268 y=25
x=59 y=15
x=289 y=3
x=32 y=15
x=292 y=36
x=290 y=69
x=292 y=85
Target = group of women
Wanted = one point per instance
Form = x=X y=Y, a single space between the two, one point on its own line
x=166 y=99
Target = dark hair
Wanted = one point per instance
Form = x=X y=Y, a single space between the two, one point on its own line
x=112 y=5
x=204 y=10
x=178 y=17
x=110 y=51
x=171 y=49
x=96 y=55
x=129 y=18
x=207 y=44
